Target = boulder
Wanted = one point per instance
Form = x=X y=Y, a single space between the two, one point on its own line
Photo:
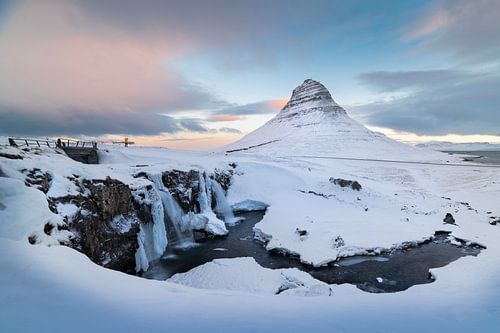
x=449 y=219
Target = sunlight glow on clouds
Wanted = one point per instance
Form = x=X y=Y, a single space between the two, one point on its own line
x=100 y=68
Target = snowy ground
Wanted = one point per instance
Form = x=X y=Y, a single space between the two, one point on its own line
x=58 y=289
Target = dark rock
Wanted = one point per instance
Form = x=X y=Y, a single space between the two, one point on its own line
x=11 y=156
x=184 y=186
x=38 y=179
x=223 y=177
x=301 y=232
x=95 y=233
x=338 y=242
x=111 y=197
x=319 y=194
x=449 y=219
x=47 y=229
x=495 y=221
x=32 y=239
x=353 y=184
x=142 y=174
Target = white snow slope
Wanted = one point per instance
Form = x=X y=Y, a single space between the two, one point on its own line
x=54 y=288
x=312 y=123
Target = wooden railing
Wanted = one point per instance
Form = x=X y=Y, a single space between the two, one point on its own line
x=71 y=143
x=31 y=142
x=60 y=143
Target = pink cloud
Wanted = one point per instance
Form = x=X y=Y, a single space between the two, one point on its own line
x=432 y=23
x=54 y=63
x=277 y=104
x=224 y=117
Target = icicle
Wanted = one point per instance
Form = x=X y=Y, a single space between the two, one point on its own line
x=205 y=205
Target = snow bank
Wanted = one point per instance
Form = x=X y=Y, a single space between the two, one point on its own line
x=24 y=212
x=249 y=205
x=245 y=274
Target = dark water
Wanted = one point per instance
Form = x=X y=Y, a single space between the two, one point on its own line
x=395 y=271
x=483 y=156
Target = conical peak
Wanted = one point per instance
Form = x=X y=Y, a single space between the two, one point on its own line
x=311 y=96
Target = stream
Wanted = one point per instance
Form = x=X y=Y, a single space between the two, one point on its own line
x=391 y=272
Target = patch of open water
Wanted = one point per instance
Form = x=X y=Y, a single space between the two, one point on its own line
x=391 y=272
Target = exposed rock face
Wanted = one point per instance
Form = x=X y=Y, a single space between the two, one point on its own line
x=183 y=185
x=38 y=179
x=11 y=156
x=110 y=197
x=109 y=218
x=449 y=219
x=223 y=177
x=106 y=224
x=353 y=184
x=310 y=96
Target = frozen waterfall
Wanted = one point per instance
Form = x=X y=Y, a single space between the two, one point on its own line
x=222 y=206
x=152 y=237
x=179 y=231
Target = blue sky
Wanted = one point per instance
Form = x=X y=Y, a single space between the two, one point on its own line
x=194 y=74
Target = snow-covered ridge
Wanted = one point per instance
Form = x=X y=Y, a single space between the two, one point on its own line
x=309 y=96
x=312 y=123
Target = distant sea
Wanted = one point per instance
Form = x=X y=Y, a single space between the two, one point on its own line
x=480 y=156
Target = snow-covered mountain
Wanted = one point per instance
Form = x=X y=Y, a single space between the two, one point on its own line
x=312 y=123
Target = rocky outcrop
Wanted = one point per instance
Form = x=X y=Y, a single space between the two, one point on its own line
x=449 y=219
x=309 y=96
x=11 y=156
x=38 y=179
x=185 y=185
x=353 y=184
x=106 y=222
x=116 y=226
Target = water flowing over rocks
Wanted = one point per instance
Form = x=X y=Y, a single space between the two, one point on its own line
x=123 y=227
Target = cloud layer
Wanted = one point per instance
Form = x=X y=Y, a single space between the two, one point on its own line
x=440 y=102
x=461 y=99
x=466 y=30
x=106 y=67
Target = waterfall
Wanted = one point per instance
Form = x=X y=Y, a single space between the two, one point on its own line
x=222 y=206
x=180 y=234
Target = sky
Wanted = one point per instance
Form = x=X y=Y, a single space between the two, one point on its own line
x=198 y=74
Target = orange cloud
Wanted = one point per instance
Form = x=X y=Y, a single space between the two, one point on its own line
x=224 y=117
x=277 y=104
